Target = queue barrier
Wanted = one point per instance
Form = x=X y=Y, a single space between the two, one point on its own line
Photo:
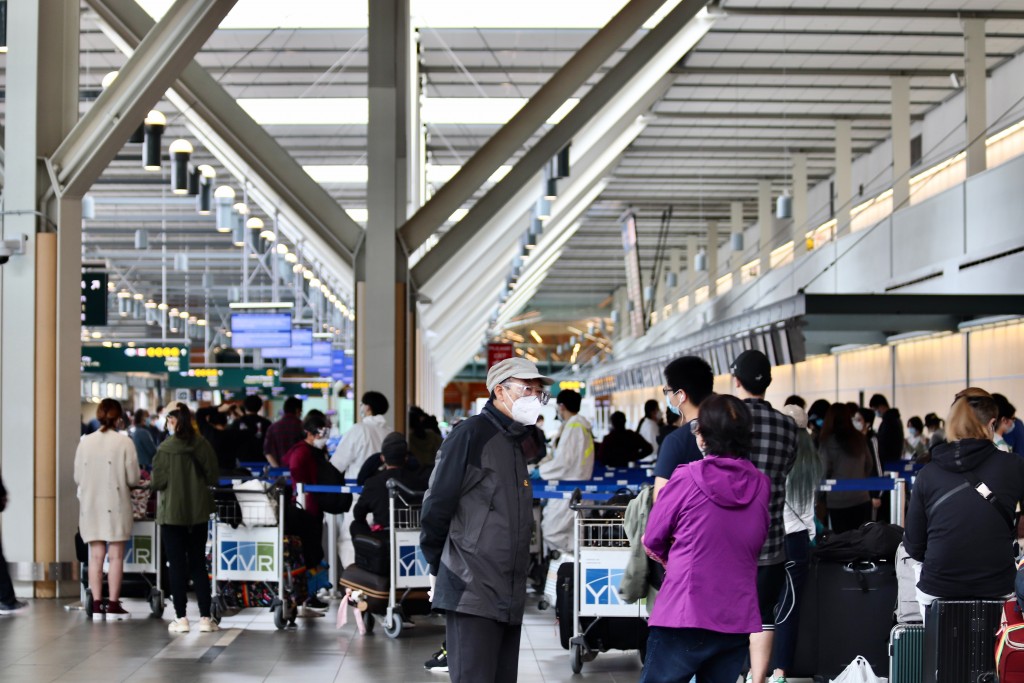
x=894 y=483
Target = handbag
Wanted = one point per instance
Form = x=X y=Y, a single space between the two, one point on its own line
x=859 y=671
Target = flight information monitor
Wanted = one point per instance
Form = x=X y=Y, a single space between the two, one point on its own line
x=261 y=330
x=301 y=348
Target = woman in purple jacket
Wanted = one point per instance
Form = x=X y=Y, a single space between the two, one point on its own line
x=707 y=527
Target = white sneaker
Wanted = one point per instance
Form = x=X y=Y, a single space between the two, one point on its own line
x=179 y=625
x=207 y=625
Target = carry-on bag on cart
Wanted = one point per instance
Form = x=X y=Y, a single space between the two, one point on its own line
x=847 y=612
x=366 y=586
x=959 y=640
x=906 y=653
x=373 y=551
x=1010 y=645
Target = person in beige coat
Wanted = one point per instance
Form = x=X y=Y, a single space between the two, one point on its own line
x=106 y=467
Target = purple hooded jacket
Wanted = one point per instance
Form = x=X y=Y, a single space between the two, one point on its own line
x=710 y=522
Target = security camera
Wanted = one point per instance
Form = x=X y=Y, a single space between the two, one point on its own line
x=9 y=248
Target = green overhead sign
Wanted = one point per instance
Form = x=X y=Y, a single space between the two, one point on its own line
x=224 y=378
x=155 y=359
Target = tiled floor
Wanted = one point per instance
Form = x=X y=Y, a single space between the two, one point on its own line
x=47 y=643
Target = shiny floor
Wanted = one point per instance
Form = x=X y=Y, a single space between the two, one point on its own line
x=47 y=643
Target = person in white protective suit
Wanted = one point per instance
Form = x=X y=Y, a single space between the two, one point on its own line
x=573 y=460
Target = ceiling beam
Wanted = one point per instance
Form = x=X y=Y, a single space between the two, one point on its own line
x=528 y=120
x=829 y=12
x=275 y=180
x=661 y=47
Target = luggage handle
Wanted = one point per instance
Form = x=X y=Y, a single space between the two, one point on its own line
x=859 y=569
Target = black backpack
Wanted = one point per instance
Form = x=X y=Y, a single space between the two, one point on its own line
x=328 y=475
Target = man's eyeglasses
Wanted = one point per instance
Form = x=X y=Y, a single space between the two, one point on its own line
x=527 y=390
x=668 y=391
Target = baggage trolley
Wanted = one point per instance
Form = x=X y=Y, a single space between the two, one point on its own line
x=252 y=550
x=143 y=568
x=599 y=616
x=402 y=592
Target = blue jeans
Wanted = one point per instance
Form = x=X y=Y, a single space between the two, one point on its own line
x=674 y=655
x=798 y=554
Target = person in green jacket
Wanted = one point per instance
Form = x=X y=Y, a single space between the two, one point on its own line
x=184 y=469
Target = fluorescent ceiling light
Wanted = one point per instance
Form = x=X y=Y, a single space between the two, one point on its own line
x=354 y=174
x=339 y=111
x=243 y=305
x=352 y=14
x=323 y=335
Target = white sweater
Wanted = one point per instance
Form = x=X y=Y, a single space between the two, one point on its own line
x=106 y=467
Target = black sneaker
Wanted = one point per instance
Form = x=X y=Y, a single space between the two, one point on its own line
x=438 y=662
x=14 y=607
x=316 y=604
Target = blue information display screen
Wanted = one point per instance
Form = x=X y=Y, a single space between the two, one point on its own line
x=321 y=360
x=261 y=330
x=301 y=348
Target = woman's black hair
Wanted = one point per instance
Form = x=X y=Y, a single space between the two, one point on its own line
x=916 y=423
x=932 y=421
x=726 y=426
x=314 y=422
x=183 y=428
x=651 y=408
x=617 y=420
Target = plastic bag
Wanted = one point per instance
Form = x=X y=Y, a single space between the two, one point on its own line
x=859 y=671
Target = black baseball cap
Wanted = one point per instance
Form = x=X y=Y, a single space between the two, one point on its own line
x=754 y=371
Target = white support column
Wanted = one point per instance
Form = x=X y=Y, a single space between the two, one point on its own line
x=900 y=141
x=675 y=263
x=843 y=174
x=40 y=295
x=736 y=227
x=765 y=224
x=381 y=267
x=800 y=211
x=712 y=257
x=975 y=87
x=691 y=271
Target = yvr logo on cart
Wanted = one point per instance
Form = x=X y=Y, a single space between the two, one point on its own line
x=411 y=561
x=139 y=550
x=602 y=586
x=246 y=556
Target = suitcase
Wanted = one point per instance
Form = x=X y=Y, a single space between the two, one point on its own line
x=960 y=639
x=373 y=552
x=906 y=653
x=563 y=602
x=1010 y=645
x=374 y=588
x=847 y=612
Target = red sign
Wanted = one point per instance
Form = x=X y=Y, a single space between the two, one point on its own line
x=499 y=352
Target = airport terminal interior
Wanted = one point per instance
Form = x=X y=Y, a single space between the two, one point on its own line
x=206 y=201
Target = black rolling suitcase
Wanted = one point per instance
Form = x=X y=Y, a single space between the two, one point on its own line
x=847 y=613
x=959 y=641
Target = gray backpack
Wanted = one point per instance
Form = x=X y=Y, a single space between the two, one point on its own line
x=908 y=609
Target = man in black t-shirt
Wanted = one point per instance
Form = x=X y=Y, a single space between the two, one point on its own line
x=249 y=431
x=688 y=381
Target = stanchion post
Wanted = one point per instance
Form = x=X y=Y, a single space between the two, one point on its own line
x=332 y=549
x=897 y=502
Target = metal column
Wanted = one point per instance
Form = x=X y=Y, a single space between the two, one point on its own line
x=900 y=141
x=765 y=224
x=974 y=94
x=39 y=298
x=381 y=266
x=712 y=258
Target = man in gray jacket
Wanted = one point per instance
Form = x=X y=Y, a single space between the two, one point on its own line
x=476 y=521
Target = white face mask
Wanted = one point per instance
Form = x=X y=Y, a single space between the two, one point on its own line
x=170 y=429
x=858 y=424
x=320 y=442
x=526 y=410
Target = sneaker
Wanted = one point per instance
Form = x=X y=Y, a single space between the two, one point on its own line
x=116 y=612
x=314 y=603
x=179 y=625
x=438 y=662
x=98 y=610
x=13 y=608
x=208 y=625
x=777 y=679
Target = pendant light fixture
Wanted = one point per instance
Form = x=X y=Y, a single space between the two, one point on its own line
x=151 y=151
x=204 y=199
x=736 y=241
x=784 y=205
x=3 y=26
x=141 y=239
x=700 y=261
x=224 y=197
x=181 y=152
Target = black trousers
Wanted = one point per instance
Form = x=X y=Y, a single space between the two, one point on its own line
x=482 y=650
x=6 y=587
x=185 y=547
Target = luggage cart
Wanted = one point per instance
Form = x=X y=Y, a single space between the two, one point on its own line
x=410 y=573
x=143 y=568
x=602 y=552
x=252 y=550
